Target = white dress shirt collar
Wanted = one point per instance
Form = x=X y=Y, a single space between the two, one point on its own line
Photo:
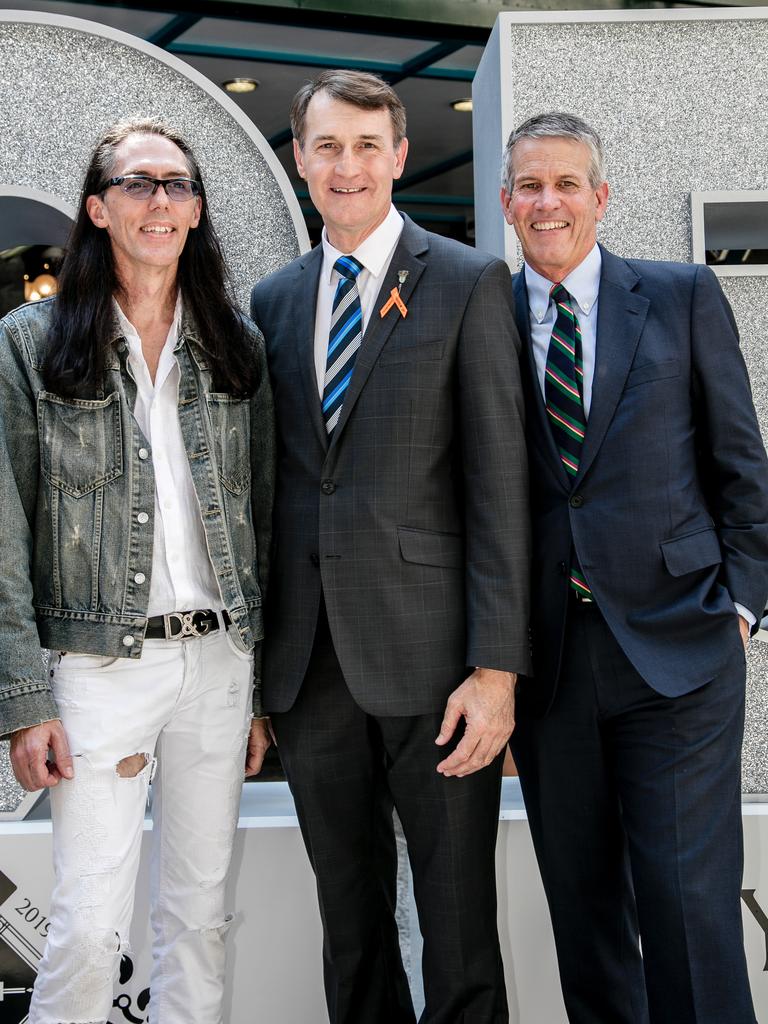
x=583 y=284
x=167 y=359
x=374 y=253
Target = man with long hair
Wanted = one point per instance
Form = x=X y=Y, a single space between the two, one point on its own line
x=136 y=477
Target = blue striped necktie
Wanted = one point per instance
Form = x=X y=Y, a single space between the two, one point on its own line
x=343 y=341
x=564 y=394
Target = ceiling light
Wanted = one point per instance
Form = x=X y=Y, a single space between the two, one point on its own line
x=240 y=84
x=42 y=287
x=462 y=106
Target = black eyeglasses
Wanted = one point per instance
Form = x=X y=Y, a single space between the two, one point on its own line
x=142 y=186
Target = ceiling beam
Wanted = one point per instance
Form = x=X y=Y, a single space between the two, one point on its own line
x=313 y=60
x=448 y=74
x=173 y=29
x=431 y=56
x=450 y=164
x=391 y=70
x=337 y=17
x=464 y=15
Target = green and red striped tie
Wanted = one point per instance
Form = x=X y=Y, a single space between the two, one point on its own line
x=564 y=397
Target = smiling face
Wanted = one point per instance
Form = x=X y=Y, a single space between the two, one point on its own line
x=145 y=233
x=349 y=161
x=552 y=206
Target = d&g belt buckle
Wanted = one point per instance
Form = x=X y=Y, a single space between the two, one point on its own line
x=187 y=624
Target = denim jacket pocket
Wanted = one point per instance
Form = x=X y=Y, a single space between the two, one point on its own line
x=230 y=423
x=80 y=441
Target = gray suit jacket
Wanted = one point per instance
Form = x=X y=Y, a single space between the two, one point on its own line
x=413 y=520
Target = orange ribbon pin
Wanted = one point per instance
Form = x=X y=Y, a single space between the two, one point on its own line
x=394 y=300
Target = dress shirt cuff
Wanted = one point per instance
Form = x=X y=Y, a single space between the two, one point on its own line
x=745 y=613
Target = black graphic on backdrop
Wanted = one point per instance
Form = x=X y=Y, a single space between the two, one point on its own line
x=19 y=960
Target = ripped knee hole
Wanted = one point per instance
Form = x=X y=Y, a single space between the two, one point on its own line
x=130 y=766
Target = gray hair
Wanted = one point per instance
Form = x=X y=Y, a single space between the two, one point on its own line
x=561 y=126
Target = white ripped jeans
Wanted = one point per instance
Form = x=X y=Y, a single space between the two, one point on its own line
x=185 y=706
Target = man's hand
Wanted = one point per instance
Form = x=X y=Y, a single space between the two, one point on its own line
x=258 y=744
x=29 y=755
x=486 y=699
x=744 y=627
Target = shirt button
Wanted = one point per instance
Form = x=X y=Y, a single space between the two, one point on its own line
x=139 y=578
x=327 y=486
x=143 y=453
x=128 y=641
x=142 y=518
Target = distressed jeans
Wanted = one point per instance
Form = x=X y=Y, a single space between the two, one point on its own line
x=184 y=709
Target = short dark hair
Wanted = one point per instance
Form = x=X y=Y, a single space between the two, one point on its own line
x=83 y=320
x=361 y=89
x=556 y=125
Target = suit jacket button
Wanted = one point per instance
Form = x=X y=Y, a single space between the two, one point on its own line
x=327 y=486
x=314 y=558
x=576 y=501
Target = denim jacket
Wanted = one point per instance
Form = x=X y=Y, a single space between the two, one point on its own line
x=77 y=508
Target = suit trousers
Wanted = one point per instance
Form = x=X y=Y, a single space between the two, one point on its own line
x=346 y=770
x=635 y=810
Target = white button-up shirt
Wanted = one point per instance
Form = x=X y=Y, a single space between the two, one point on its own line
x=182 y=576
x=375 y=254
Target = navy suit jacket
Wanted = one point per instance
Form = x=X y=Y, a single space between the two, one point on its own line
x=669 y=511
x=413 y=519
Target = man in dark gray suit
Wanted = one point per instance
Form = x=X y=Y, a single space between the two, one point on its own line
x=399 y=609
x=650 y=535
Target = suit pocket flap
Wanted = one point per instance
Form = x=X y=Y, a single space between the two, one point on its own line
x=694 y=551
x=653 y=371
x=410 y=350
x=426 y=547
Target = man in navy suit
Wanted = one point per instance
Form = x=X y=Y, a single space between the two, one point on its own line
x=650 y=519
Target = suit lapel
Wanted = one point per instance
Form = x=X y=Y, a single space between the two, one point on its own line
x=413 y=241
x=306 y=308
x=620 y=320
x=538 y=427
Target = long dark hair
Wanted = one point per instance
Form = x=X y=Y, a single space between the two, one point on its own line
x=83 y=319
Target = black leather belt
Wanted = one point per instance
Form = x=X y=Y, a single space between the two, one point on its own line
x=180 y=625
